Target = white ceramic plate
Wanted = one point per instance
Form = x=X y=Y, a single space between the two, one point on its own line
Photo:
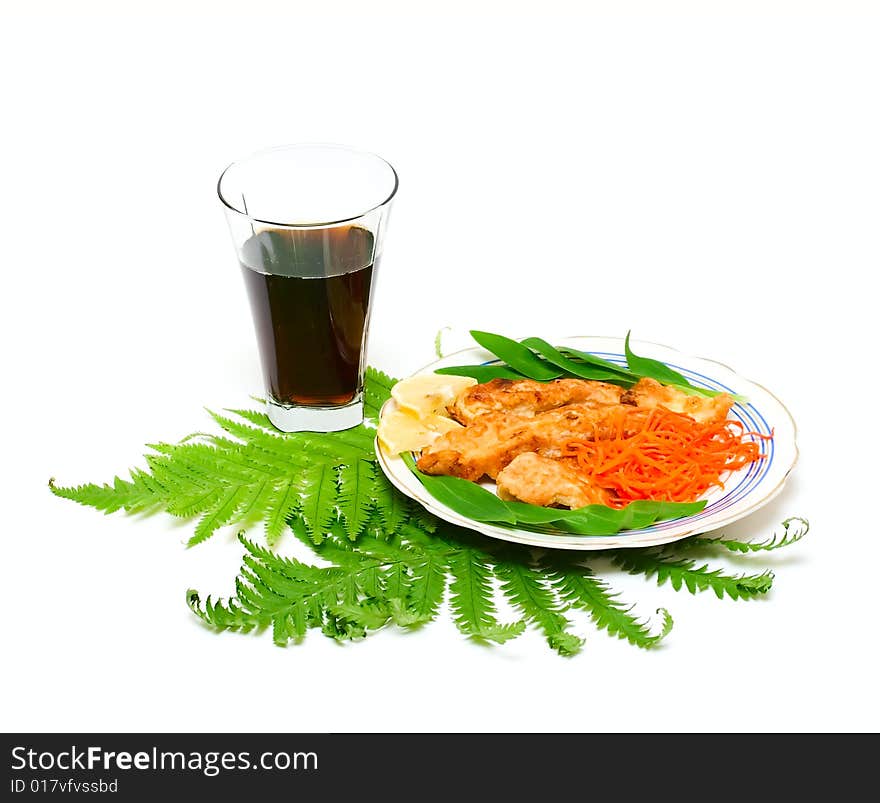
x=744 y=491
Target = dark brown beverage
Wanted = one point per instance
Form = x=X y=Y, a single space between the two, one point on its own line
x=309 y=291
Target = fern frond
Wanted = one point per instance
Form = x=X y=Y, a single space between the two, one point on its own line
x=428 y=585
x=244 y=432
x=344 y=601
x=377 y=390
x=793 y=530
x=403 y=616
x=580 y=588
x=287 y=567
x=394 y=508
x=317 y=492
x=121 y=495
x=278 y=501
x=224 y=617
x=256 y=417
x=685 y=573
x=355 y=497
x=177 y=480
x=397 y=582
x=526 y=590
x=222 y=511
x=360 y=438
x=196 y=504
x=473 y=608
x=369 y=546
x=257 y=474
x=368 y=615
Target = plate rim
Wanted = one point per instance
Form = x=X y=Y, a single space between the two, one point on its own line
x=585 y=542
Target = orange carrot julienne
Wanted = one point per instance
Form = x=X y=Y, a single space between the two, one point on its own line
x=664 y=456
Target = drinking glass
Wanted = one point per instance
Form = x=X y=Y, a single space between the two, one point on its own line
x=308 y=222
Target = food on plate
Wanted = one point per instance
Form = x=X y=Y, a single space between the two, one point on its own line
x=429 y=394
x=399 y=431
x=490 y=440
x=420 y=416
x=526 y=397
x=649 y=393
x=574 y=442
x=543 y=481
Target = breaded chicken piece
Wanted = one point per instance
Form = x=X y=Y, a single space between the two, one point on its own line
x=526 y=397
x=539 y=480
x=492 y=440
x=649 y=393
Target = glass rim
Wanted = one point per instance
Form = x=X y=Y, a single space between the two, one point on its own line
x=312 y=225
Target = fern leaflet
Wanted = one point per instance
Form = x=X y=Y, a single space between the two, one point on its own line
x=473 y=608
x=580 y=588
x=526 y=589
x=685 y=573
x=793 y=530
x=355 y=496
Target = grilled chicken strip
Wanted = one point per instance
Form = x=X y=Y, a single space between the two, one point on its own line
x=649 y=393
x=539 y=480
x=492 y=440
x=526 y=397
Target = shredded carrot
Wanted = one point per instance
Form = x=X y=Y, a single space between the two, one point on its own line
x=664 y=456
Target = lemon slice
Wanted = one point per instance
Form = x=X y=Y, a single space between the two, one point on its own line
x=400 y=431
x=429 y=394
x=440 y=423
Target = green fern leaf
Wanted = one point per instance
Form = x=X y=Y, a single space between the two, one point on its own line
x=793 y=530
x=284 y=498
x=355 y=498
x=428 y=585
x=298 y=621
x=397 y=582
x=290 y=568
x=243 y=432
x=403 y=616
x=359 y=437
x=377 y=390
x=221 y=512
x=526 y=590
x=473 y=608
x=394 y=508
x=176 y=481
x=225 y=617
x=317 y=493
x=365 y=616
x=256 y=417
x=580 y=588
x=294 y=597
x=196 y=504
x=685 y=573
x=121 y=495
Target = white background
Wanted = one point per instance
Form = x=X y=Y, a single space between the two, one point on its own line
x=709 y=179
